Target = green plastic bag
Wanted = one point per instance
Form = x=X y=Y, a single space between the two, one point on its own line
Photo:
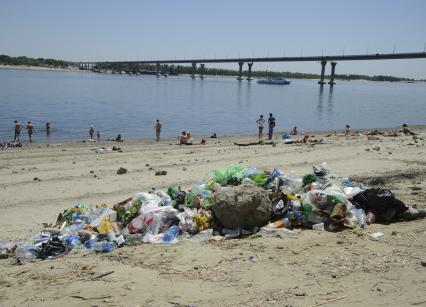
x=233 y=174
x=173 y=192
x=309 y=179
x=259 y=178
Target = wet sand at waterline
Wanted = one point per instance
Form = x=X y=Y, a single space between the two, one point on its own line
x=344 y=268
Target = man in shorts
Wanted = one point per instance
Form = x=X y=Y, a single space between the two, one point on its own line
x=30 y=129
x=18 y=128
x=271 y=124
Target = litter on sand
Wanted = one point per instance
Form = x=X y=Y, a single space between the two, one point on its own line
x=235 y=202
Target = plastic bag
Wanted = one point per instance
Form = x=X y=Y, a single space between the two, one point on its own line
x=105 y=226
x=186 y=219
x=233 y=174
x=259 y=178
x=149 y=199
x=291 y=183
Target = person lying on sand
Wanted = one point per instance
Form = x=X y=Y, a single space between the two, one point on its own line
x=307 y=139
x=373 y=132
x=348 y=132
x=406 y=130
x=6 y=145
x=117 y=139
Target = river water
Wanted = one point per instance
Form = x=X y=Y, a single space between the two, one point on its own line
x=129 y=105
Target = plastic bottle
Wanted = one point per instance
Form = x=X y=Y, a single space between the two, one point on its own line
x=41 y=237
x=171 y=234
x=90 y=244
x=25 y=251
x=371 y=217
x=72 y=240
x=319 y=226
x=103 y=247
x=360 y=216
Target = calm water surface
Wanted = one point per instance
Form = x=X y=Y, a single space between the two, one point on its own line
x=72 y=101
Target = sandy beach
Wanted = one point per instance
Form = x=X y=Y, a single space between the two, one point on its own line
x=312 y=267
x=39 y=68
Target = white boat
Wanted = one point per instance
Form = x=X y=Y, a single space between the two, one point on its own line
x=273 y=81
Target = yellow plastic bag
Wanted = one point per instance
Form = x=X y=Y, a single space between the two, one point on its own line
x=105 y=226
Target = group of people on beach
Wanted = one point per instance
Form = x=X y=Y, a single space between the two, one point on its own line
x=403 y=131
x=271 y=125
x=18 y=128
x=185 y=138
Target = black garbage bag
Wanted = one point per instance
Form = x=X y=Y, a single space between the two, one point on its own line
x=382 y=202
x=52 y=248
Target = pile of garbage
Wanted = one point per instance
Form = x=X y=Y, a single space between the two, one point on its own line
x=236 y=201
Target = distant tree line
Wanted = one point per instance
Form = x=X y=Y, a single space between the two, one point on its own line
x=179 y=69
x=40 y=62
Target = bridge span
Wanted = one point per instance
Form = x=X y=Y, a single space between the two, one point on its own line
x=323 y=60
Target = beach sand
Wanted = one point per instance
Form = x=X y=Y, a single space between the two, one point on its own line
x=303 y=270
x=40 y=68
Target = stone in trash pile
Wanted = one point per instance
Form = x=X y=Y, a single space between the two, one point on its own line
x=245 y=205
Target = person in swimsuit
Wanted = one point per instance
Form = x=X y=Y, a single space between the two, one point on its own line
x=260 y=122
x=30 y=129
x=18 y=128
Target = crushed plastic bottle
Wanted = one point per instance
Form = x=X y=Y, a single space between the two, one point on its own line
x=319 y=226
x=41 y=237
x=103 y=247
x=171 y=234
x=360 y=216
x=25 y=251
x=90 y=244
x=72 y=240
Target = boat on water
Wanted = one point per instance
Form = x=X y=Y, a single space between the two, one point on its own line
x=273 y=81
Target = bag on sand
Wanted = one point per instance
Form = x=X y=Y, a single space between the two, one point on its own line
x=381 y=202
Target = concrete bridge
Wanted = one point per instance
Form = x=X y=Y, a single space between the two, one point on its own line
x=323 y=60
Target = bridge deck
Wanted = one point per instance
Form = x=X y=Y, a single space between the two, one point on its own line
x=360 y=57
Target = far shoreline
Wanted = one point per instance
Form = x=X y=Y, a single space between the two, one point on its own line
x=52 y=69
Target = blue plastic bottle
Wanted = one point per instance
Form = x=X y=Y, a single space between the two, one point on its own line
x=171 y=234
x=90 y=244
x=104 y=247
x=72 y=240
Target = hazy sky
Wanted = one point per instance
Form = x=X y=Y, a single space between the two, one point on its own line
x=84 y=30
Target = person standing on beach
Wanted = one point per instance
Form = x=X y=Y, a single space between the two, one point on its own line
x=260 y=122
x=91 y=132
x=47 y=128
x=157 y=128
x=271 y=123
x=30 y=129
x=18 y=128
x=98 y=135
